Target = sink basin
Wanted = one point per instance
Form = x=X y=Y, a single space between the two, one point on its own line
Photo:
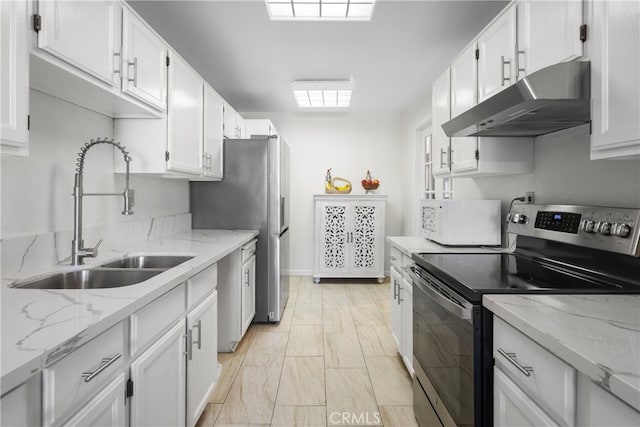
x=90 y=279
x=148 y=261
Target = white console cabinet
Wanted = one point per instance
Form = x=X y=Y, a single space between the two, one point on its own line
x=349 y=236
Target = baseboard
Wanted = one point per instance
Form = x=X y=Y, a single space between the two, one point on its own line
x=300 y=272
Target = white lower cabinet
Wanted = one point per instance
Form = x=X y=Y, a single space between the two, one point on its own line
x=396 y=306
x=22 y=406
x=107 y=409
x=236 y=296
x=599 y=408
x=202 y=350
x=248 y=292
x=159 y=381
x=512 y=407
x=406 y=344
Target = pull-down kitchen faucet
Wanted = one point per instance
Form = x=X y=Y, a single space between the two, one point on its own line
x=78 y=251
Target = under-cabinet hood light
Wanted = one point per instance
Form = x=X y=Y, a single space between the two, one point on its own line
x=320 y=10
x=322 y=93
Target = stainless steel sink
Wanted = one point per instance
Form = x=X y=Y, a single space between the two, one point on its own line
x=90 y=279
x=148 y=261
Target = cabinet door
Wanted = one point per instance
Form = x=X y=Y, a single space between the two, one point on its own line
x=85 y=34
x=551 y=33
x=144 y=62
x=159 y=379
x=441 y=113
x=213 y=134
x=497 y=51
x=106 y=409
x=407 y=325
x=185 y=118
x=396 y=307
x=366 y=240
x=606 y=410
x=230 y=125
x=512 y=407
x=333 y=250
x=202 y=365
x=241 y=130
x=615 y=67
x=464 y=95
x=14 y=77
x=248 y=292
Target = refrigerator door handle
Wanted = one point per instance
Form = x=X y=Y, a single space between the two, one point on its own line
x=282 y=219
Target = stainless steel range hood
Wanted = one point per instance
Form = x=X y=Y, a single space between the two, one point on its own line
x=551 y=99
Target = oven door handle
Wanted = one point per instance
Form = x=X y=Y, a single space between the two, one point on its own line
x=453 y=308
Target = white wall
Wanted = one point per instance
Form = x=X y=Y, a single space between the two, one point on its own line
x=349 y=144
x=36 y=190
x=563 y=174
x=414 y=118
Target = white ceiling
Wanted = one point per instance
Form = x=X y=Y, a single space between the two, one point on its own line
x=251 y=61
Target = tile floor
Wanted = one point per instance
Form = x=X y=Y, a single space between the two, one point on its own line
x=330 y=361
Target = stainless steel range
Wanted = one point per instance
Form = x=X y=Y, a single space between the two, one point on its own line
x=560 y=249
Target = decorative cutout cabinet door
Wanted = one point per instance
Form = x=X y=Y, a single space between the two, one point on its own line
x=349 y=237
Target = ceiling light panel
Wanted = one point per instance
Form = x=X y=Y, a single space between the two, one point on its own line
x=322 y=93
x=320 y=10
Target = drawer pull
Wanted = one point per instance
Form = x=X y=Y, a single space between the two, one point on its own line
x=199 y=341
x=526 y=370
x=106 y=362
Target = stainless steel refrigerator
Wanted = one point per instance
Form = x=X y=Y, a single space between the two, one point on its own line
x=254 y=194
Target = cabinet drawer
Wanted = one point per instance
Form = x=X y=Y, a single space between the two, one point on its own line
x=546 y=378
x=248 y=250
x=201 y=285
x=72 y=381
x=395 y=256
x=151 y=320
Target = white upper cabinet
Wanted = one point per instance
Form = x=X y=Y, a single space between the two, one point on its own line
x=184 y=118
x=233 y=123
x=14 y=78
x=614 y=44
x=213 y=134
x=144 y=61
x=464 y=95
x=441 y=113
x=85 y=34
x=496 y=45
x=548 y=33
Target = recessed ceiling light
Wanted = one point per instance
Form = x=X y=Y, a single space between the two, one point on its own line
x=322 y=93
x=321 y=10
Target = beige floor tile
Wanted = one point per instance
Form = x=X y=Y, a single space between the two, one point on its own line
x=350 y=391
x=391 y=381
x=338 y=320
x=343 y=351
x=307 y=314
x=209 y=415
x=302 y=382
x=366 y=314
x=241 y=425
x=267 y=349
x=305 y=340
x=252 y=396
x=283 y=326
x=294 y=282
x=231 y=363
x=377 y=340
x=383 y=302
x=334 y=296
x=311 y=416
x=359 y=295
x=398 y=416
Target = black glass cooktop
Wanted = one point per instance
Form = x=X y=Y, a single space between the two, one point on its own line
x=473 y=275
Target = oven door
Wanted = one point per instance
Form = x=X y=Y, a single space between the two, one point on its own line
x=443 y=349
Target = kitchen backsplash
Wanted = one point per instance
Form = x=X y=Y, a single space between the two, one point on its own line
x=40 y=252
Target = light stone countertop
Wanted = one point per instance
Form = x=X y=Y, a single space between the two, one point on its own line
x=41 y=326
x=599 y=335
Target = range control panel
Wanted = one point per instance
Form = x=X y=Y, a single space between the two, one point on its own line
x=610 y=229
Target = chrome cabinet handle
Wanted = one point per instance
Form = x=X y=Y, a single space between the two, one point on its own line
x=210 y=162
x=451 y=156
x=526 y=370
x=199 y=340
x=118 y=62
x=135 y=71
x=399 y=296
x=443 y=161
x=246 y=273
x=395 y=289
x=104 y=364
x=502 y=64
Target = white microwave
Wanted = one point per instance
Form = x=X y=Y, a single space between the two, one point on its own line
x=461 y=222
